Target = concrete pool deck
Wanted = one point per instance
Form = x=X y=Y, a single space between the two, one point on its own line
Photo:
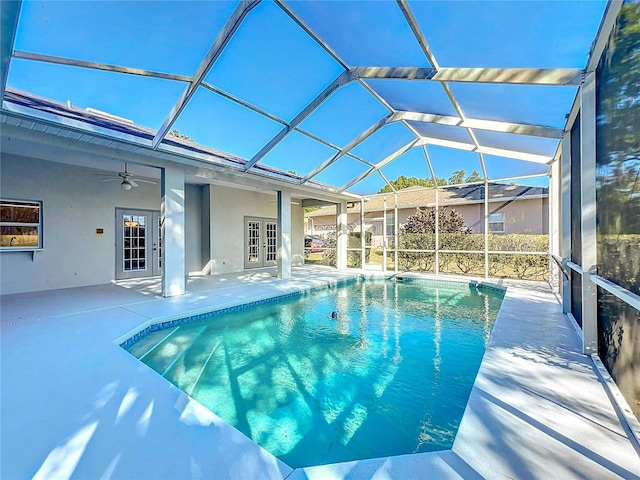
x=75 y=405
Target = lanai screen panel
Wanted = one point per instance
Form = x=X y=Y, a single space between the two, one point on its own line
x=447 y=161
x=384 y=142
x=345 y=115
x=370 y=184
x=422 y=96
x=507 y=34
x=143 y=100
x=214 y=121
x=272 y=64
x=141 y=35
x=342 y=171
x=297 y=153
x=506 y=168
x=543 y=105
x=363 y=34
x=524 y=143
x=288 y=85
x=410 y=164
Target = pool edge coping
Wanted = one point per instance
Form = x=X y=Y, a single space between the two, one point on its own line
x=327 y=283
x=145 y=328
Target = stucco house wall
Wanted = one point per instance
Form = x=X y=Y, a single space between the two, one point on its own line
x=527 y=216
x=76 y=203
x=229 y=206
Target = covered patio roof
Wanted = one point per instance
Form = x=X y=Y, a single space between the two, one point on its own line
x=337 y=97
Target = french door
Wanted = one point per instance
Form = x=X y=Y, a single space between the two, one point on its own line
x=260 y=242
x=138 y=243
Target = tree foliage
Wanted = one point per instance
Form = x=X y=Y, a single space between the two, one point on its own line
x=459 y=176
x=403 y=182
x=424 y=221
x=182 y=136
x=618 y=151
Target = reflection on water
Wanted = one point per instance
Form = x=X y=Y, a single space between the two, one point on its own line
x=389 y=373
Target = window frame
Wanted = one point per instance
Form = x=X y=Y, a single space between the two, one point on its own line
x=38 y=225
x=391 y=225
x=492 y=229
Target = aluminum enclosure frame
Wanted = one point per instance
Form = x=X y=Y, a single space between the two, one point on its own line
x=528 y=76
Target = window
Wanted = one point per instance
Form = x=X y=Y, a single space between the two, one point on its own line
x=496 y=222
x=20 y=225
x=391 y=225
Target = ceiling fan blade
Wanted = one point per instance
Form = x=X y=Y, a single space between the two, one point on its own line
x=141 y=180
x=110 y=180
x=132 y=182
x=106 y=175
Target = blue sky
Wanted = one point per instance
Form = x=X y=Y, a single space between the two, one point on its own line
x=274 y=65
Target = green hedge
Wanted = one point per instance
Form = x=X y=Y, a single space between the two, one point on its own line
x=530 y=267
x=353 y=241
x=521 y=266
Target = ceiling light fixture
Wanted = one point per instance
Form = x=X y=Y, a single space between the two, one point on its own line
x=126 y=184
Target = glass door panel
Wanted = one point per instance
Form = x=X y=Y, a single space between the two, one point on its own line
x=137 y=243
x=271 y=243
x=261 y=242
x=253 y=246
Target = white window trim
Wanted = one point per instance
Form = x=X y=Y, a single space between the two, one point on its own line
x=492 y=221
x=38 y=225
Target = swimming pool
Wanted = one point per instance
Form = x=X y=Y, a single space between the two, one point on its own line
x=364 y=370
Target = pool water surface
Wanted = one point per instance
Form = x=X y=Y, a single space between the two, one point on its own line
x=369 y=369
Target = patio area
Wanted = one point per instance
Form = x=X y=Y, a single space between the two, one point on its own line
x=76 y=405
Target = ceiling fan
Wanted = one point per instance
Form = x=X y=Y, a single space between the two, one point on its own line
x=127 y=180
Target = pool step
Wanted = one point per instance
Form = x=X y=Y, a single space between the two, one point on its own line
x=184 y=350
x=162 y=340
x=204 y=366
x=171 y=348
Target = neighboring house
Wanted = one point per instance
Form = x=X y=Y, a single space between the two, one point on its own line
x=512 y=209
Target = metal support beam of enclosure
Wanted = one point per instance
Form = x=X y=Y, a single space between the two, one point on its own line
x=342 y=235
x=479 y=124
x=232 y=25
x=9 y=15
x=565 y=216
x=588 y=212
x=554 y=226
x=340 y=81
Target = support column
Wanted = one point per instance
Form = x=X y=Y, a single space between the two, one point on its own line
x=436 y=266
x=565 y=216
x=206 y=223
x=341 y=235
x=396 y=227
x=554 y=224
x=588 y=209
x=486 y=227
x=173 y=248
x=384 y=233
x=362 y=236
x=284 y=234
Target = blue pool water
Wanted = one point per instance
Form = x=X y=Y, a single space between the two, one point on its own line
x=389 y=375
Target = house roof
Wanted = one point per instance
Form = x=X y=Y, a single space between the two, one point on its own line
x=449 y=195
x=122 y=125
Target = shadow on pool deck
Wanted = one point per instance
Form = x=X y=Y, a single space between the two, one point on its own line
x=75 y=405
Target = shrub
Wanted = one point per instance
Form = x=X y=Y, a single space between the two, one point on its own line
x=353 y=241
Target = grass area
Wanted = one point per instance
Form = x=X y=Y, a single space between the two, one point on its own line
x=316 y=258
